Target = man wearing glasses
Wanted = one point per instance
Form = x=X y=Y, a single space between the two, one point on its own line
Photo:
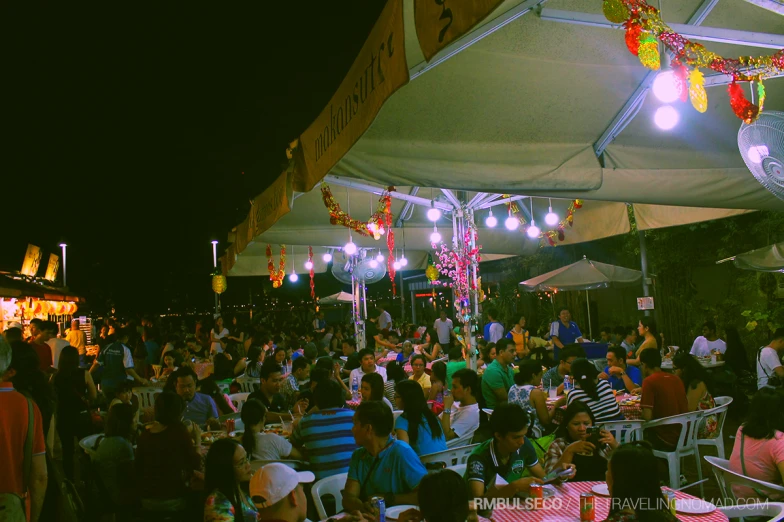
x=555 y=375
x=199 y=408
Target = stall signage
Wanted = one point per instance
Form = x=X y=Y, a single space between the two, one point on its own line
x=440 y=22
x=645 y=303
x=31 y=261
x=52 y=267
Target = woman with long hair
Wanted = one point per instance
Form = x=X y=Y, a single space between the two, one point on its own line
x=226 y=468
x=258 y=444
x=699 y=390
x=75 y=392
x=735 y=355
x=437 y=383
x=252 y=365
x=759 y=443
x=530 y=397
x=488 y=353
x=431 y=349
x=209 y=387
x=114 y=457
x=372 y=389
x=596 y=394
x=218 y=337
x=395 y=374
x=633 y=483
x=574 y=444
x=650 y=338
x=417 y=425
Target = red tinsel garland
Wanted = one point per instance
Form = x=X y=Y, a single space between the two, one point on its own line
x=743 y=108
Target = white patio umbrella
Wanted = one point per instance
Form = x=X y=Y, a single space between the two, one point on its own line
x=584 y=275
x=339 y=298
x=766 y=259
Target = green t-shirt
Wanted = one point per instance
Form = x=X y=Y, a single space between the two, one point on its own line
x=483 y=464
x=496 y=377
x=451 y=368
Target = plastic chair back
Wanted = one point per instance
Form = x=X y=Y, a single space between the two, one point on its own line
x=727 y=478
x=238 y=399
x=775 y=510
x=329 y=486
x=450 y=457
x=146 y=396
x=624 y=431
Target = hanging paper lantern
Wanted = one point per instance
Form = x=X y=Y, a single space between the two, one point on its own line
x=648 y=52
x=697 y=94
x=743 y=108
x=218 y=282
x=38 y=308
x=431 y=271
x=60 y=308
x=633 y=30
x=615 y=11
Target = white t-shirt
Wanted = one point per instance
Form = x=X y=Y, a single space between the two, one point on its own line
x=704 y=348
x=767 y=362
x=359 y=374
x=496 y=332
x=270 y=446
x=57 y=345
x=384 y=321
x=465 y=419
x=216 y=347
x=444 y=329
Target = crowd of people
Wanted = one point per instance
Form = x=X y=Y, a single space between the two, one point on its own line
x=368 y=413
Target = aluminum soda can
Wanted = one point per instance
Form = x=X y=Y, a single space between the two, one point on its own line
x=587 y=507
x=380 y=505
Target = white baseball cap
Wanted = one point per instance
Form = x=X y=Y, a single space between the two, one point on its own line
x=271 y=483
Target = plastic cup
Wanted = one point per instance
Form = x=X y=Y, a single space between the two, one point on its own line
x=553 y=392
x=287 y=426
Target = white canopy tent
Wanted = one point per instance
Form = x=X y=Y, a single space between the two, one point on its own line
x=765 y=259
x=339 y=298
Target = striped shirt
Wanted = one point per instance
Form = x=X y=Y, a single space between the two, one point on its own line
x=327 y=439
x=605 y=409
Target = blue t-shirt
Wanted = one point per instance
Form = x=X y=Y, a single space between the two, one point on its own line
x=616 y=382
x=398 y=470
x=567 y=335
x=201 y=408
x=425 y=443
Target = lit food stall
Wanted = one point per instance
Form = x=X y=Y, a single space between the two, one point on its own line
x=24 y=298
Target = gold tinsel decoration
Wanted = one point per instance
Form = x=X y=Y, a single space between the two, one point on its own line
x=615 y=11
x=649 y=51
x=697 y=94
x=218 y=282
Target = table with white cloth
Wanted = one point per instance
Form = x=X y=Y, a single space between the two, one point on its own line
x=565 y=507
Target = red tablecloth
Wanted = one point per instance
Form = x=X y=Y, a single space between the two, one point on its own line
x=631 y=411
x=565 y=506
x=203 y=370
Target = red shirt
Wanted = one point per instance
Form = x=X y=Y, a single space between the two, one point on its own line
x=665 y=394
x=13 y=433
x=44 y=352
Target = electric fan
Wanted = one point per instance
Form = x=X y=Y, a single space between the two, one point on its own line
x=363 y=271
x=761 y=144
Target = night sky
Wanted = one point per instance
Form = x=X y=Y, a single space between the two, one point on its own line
x=137 y=134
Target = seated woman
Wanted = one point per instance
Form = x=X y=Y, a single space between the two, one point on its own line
x=163 y=482
x=526 y=393
x=224 y=367
x=169 y=365
x=650 y=336
x=418 y=366
x=698 y=386
x=575 y=444
x=596 y=394
x=209 y=387
x=437 y=386
x=395 y=374
x=114 y=457
x=124 y=395
x=633 y=483
x=430 y=349
x=405 y=353
x=225 y=469
x=759 y=443
x=488 y=355
x=258 y=444
x=417 y=425
x=251 y=366
x=372 y=389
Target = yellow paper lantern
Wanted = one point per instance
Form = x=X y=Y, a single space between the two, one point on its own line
x=219 y=283
x=615 y=11
x=697 y=94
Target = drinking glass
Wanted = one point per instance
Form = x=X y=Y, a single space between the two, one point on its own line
x=287 y=426
x=553 y=392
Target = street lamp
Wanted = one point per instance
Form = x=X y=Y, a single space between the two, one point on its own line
x=63 y=247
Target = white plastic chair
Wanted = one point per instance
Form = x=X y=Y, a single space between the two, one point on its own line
x=238 y=399
x=624 y=431
x=146 y=396
x=722 y=403
x=766 y=509
x=396 y=414
x=460 y=441
x=488 y=412
x=460 y=469
x=726 y=478
x=687 y=445
x=248 y=384
x=88 y=444
x=450 y=457
x=329 y=486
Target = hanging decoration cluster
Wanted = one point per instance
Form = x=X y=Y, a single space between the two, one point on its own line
x=645 y=28
x=219 y=284
x=557 y=234
x=432 y=273
x=455 y=265
x=276 y=276
x=312 y=274
x=379 y=224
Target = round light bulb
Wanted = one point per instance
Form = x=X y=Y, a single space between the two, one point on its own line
x=327 y=257
x=380 y=257
x=293 y=277
x=512 y=223
x=551 y=218
x=372 y=226
x=757 y=153
x=308 y=265
x=403 y=261
x=666 y=87
x=396 y=265
x=491 y=221
x=435 y=237
x=373 y=263
x=350 y=248
x=533 y=231
x=666 y=117
x=382 y=230
x=433 y=214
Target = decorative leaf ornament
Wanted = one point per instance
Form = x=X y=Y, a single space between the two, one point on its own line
x=697 y=94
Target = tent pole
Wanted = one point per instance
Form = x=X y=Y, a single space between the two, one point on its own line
x=402 y=298
x=644 y=265
x=413 y=308
x=588 y=307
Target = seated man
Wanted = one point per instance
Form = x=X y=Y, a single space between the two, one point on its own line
x=199 y=408
x=620 y=376
x=382 y=466
x=276 y=491
x=509 y=454
x=499 y=375
x=269 y=394
x=368 y=364
x=709 y=342
x=555 y=375
x=464 y=418
x=663 y=395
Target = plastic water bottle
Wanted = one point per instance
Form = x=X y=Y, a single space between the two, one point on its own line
x=567 y=383
x=355 y=388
